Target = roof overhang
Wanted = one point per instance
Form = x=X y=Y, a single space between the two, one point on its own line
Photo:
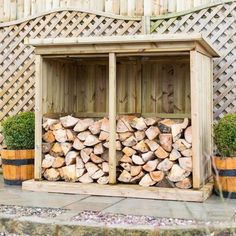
x=124 y=44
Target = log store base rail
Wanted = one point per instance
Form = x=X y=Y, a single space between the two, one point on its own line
x=199 y=53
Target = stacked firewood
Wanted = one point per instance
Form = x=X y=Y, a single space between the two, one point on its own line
x=150 y=151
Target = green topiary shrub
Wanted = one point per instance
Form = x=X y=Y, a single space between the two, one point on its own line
x=225 y=135
x=18 y=131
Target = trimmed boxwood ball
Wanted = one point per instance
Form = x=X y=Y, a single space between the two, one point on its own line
x=18 y=131
x=225 y=135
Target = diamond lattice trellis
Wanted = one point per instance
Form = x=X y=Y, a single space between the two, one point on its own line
x=17 y=60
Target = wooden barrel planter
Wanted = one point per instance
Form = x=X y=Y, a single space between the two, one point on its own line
x=17 y=165
x=224 y=170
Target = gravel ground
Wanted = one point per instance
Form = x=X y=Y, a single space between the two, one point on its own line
x=31 y=211
x=8 y=234
x=112 y=219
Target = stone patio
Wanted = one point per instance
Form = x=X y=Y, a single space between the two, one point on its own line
x=213 y=209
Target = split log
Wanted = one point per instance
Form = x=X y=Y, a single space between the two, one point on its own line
x=137 y=160
x=150 y=165
x=105 y=167
x=184 y=184
x=105 y=155
x=177 y=173
x=125 y=177
x=95 y=128
x=141 y=147
x=79 y=163
x=78 y=145
x=161 y=153
x=103 y=180
x=49 y=137
x=91 y=168
x=146 y=181
x=151 y=121
x=66 y=147
x=129 y=142
x=174 y=155
x=60 y=135
x=58 y=162
x=98 y=149
x=139 y=135
x=68 y=121
x=48 y=122
x=46 y=147
x=138 y=123
x=48 y=161
x=124 y=136
x=103 y=136
x=152 y=145
x=85 y=154
x=187 y=152
x=186 y=163
x=165 y=165
x=126 y=120
x=121 y=127
x=157 y=176
x=97 y=174
x=56 y=150
x=70 y=135
x=126 y=159
x=86 y=179
x=83 y=124
x=152 y=132
x=51 y=174
x=96 y=159
x=126 y=166
x=147 y=156
x=71 y=157
x=165 y=125
x=79 y=172
x=56 y=126
x=177 y=129
x=188 y=134
x=166 y=141
x=137 y=178
x=181 y=145
x=128 y=151
x=83 y=135
x=91 y=140
x=165 y=183
x=105 y=124
x=135 y=170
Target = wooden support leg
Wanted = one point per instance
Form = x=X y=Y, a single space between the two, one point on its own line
x=112 y=118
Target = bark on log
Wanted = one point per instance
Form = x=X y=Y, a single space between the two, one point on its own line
x=166 y=141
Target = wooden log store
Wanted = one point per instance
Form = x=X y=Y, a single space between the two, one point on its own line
x=150 y=96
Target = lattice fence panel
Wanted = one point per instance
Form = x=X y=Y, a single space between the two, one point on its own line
x=218 y=24
x=17 y=60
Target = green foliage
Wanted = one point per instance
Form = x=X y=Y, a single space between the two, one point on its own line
x=18 y=131
x=225 y=135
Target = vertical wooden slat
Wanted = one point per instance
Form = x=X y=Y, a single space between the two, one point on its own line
x=1 y=10
x=108 y=6
x=123 y=7
x=27 y=8
x=112 y=118
x=131 y=7
x=33 y=7
x=48 y=5
x=38 y=117
x=116 y=7
x=13 y=10
x=55 y=4
x=6 y=10
x=148 y=7
x=172 y=5
x=156 y=8
x=139 y=7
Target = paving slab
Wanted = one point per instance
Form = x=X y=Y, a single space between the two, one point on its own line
x=94 y=203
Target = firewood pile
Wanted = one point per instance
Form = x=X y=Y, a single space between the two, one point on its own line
x=150 y=151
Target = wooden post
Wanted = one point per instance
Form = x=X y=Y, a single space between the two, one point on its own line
x=112 y=118
x=38 y=117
